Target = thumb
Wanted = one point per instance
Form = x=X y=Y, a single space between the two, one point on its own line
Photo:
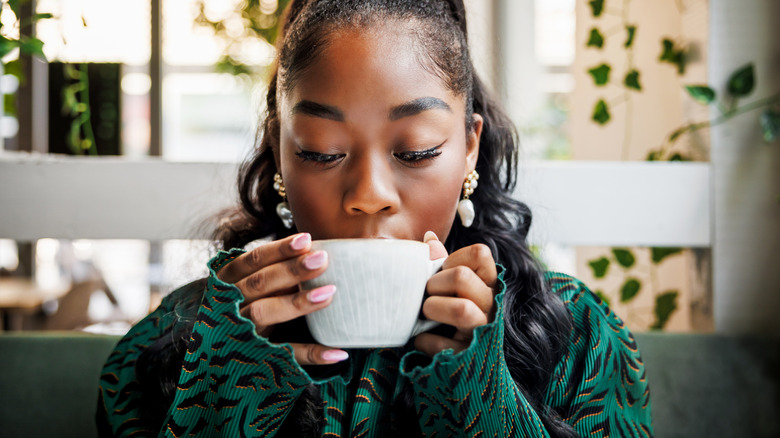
x=437 y=248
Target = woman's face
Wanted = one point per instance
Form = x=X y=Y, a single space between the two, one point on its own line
x=372 y=144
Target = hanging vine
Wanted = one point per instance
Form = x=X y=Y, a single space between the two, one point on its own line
x=665 y=302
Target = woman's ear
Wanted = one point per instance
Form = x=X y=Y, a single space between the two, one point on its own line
x=472 y=143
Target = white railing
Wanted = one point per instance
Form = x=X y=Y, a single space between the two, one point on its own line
x=574 y=203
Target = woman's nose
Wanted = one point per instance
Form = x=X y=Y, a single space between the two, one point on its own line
x=371 y=188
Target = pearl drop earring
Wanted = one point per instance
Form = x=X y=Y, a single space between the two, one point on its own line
x=465 y=206
x=283 y=208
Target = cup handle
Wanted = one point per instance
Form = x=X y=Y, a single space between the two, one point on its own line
x=425 y=325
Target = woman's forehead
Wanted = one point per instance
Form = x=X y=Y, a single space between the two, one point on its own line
x=380 y=67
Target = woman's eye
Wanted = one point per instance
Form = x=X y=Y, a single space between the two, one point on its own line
x=318 y=158
x=417 y=157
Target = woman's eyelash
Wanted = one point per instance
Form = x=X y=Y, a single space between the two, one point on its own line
x=317 y=157
x=415 y=156
x=406 y=156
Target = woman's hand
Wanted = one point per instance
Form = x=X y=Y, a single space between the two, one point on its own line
x=268 y=277
x=461 y=295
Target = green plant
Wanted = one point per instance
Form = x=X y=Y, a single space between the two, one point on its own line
x=631 y=82
x=740 y=85
x=665 y=302
x=75 y=98
x=250 y=19
x=14 y=37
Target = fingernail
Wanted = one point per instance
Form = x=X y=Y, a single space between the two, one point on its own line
x=321 y=293
x=316 y=260
x=335 y=355
x=430 y=235
x=300 y=241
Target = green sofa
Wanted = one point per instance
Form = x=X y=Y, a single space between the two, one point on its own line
x=701 y=385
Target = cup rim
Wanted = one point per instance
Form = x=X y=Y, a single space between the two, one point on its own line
x=371 y=240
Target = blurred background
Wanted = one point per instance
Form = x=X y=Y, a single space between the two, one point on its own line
x=658 y=116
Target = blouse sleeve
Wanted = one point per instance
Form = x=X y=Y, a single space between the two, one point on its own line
x=119 y=394
x=473 y=391
x=600 y=385
x=232 y=382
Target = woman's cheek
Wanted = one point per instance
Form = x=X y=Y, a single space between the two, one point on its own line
x=435 y=206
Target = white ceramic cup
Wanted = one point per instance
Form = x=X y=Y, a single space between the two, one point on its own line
x=379 y=291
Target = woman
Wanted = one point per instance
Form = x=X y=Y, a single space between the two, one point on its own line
x=378 y=126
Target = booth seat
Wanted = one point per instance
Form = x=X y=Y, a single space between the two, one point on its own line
x=702 y=385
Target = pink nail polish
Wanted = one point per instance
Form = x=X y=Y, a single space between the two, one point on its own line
x=321 y=293
x=335 y=355
x=300 y=241
x=316 y=260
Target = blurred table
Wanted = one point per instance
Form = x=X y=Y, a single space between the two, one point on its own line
x=23 y=296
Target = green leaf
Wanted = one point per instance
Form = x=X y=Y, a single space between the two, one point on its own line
x=599 y=267
x=701 y=93
x=665 y=305
x=653 y=156
x=629 y=289
x=631 y=30
x=602 y=296
x=632 y=80
x=660 y=253
x=624 y=257
x=672 y=55
x=32 y=46
x=597 y=6
x=770 y=125
x=596 y=39
x=71 y=72
x=74 y=138
x=15 y=68
x=600 y=74
x=678 y=157
x=228 y=64
x=600 y=112
x=742 y=81
x=16 y=6
x=44 y=16
x=7 y=46
x=69 y=101
x=668 y=50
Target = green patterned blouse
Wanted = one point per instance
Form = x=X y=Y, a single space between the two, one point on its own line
x=236 y=383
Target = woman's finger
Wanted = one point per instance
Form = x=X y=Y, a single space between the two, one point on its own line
x=431 y=344
x=461 y=313
x=284 y=275
x=274 y=310
x=436 y=247
x=265 y=255
x=478 y=258
x=315 y=354
x=461 y=281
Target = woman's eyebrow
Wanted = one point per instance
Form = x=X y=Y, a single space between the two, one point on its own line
x=315 y=109
x=417 y=106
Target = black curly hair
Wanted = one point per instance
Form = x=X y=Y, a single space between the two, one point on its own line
x=537 y=325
